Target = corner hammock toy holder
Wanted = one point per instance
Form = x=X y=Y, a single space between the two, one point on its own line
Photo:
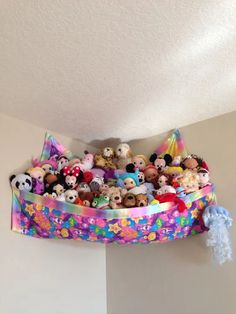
x=43 y=217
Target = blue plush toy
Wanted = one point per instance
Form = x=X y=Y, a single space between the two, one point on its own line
x=128 y=180
x=218 y=220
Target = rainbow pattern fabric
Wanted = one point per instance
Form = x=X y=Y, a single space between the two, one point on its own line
x=173 y=145
x=42 y=217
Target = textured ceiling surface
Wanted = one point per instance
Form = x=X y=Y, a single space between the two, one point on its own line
x=122 y=69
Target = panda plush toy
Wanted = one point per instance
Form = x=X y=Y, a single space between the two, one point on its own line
x=22 y=182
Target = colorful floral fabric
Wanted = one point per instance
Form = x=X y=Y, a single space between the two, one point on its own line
x=35 y=219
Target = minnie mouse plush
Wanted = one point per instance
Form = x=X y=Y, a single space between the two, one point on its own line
x=71 y=176
x=161 y=162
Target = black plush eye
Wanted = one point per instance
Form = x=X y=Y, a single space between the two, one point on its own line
x=28 y=181
x=50 y=168
x=134 y=162
x=39 y=177
x=106 y=198
x=17 y=184
x=119 y=149
x=141 y=163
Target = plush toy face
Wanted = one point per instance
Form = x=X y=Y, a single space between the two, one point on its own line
x=192 y=162
x=141 y=200
x=83 y=187
x=129 y=200
x=174 y=172
x=58 y=189
x=166 y=189
x=204 y=177
x=71 y=196
x=139 y=162
x=123 y=151
x=129 y=183
x=22 y=182
x=115 y=197
x=150 y=173
x=62 y=162
x=96 y=183
x=48 y=168
x=141 y=177
x=86 y=197
x=37 y=173
x=162 y=180
x=101 y=202
x=108 y=152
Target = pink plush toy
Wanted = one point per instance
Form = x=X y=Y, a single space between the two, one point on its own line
x=87 y=162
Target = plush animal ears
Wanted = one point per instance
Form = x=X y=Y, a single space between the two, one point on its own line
x=130 y=168
x=153 y=157
x=12 y=177
x=168 y=159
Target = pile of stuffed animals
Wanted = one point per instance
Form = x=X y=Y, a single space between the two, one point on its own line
x=115 y=178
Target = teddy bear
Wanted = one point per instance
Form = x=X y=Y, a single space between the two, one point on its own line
x=22 y=182
x=129 y=200
x=124 y=155
x=87 y=197
x=141 y=200
x=71 y=196
x=115 y=195
x=189 y=180
x=108 y=154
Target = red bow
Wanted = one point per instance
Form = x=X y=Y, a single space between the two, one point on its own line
x=68 y=171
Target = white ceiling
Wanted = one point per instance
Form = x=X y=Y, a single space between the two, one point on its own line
x=124 y=69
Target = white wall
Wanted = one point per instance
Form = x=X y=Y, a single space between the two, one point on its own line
x=179 y=277
x=43 y=276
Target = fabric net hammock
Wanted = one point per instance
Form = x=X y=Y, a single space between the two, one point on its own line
x=43 y=217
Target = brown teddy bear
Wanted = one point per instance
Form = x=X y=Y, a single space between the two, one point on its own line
x=129 y=200
x=115 y=195
x=141 y=200
x=87 y=197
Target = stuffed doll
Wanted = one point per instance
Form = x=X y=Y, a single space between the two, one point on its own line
x=161 y=163
x=49 y=166
x=150 y=173
x=193 y=162
x=123 y=155
x=204 y=178
x=189 y=180
x=37 y=174
x=22 y=182
x=70 y=177
x=62 y=161
x=128 y=180
x=162 y=180
x=87 y=162
x=173 y=171
x=50 y=179
x=139 y=161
